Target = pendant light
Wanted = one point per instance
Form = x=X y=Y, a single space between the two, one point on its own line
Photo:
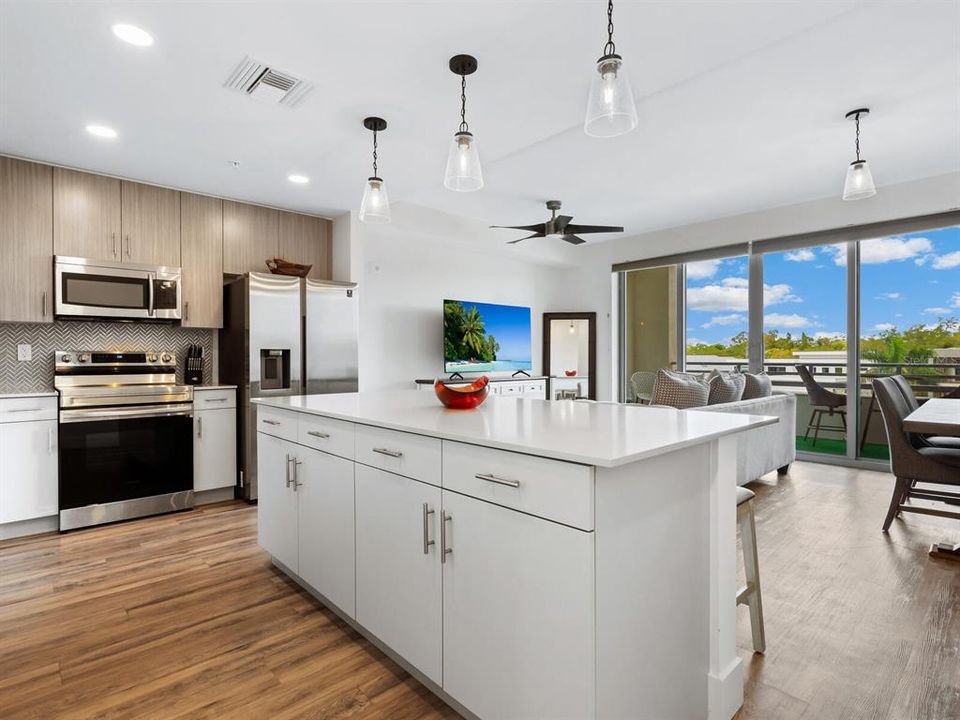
x=859 y=184
x=463 y=172
x=610 y=108
x=375 y=206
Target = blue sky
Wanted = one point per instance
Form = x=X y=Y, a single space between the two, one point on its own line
x=510 y=325
x=905 y=280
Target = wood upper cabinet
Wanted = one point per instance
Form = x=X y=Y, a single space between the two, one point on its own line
x=86 y=215
x=26 y=241
x=305 y=239
x=150 y=220
x=250 y=237
x=201 y=256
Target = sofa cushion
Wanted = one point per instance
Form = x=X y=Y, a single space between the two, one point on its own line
x=757 y=386
x=679 y=390
x=725 y=387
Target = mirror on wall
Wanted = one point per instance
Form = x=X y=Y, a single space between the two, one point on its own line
x=570 y=354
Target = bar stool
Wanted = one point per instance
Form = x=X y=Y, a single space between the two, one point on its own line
x=749 y=594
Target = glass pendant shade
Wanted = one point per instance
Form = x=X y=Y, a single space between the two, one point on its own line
x=610 y=107
x=859 y=184
x=375 y=206
x=463 y=164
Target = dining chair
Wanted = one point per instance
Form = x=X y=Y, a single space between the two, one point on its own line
x=910 y=464
x=923 y=440
x=642 y=383
x=822 y=401
x=749 y=594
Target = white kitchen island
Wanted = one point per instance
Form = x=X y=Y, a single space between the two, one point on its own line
x=528 y=559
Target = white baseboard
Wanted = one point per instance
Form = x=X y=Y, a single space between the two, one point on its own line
x=34 y=526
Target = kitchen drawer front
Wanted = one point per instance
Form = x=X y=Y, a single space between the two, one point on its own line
x=218 y=399
x=550 y=489
x=537 y=388
x=336 y=437
x=414 y=456
x=279 y=423
x=26 y=409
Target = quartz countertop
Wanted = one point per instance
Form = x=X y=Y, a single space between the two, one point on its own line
x=35 y=393
x=599 y=434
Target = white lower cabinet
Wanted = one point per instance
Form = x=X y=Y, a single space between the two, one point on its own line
x=28 y=470
x=214 y=449
x=325 y=523
x=398 y=566
x=509 y=582
x=277 y=515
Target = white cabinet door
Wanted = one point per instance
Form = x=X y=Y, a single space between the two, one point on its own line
x=398 y=571
x=325 y=491
x=277 y=500
x=518 y=613
x=28 y=470
x=214 y=449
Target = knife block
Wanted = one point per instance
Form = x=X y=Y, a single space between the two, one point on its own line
x=193 y=370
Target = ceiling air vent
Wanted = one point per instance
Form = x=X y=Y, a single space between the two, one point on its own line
x=268 y=84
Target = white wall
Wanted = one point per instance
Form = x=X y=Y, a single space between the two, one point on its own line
x=408 y=270
x=590 y=283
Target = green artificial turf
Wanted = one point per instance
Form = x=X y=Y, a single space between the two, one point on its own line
x=836 y=446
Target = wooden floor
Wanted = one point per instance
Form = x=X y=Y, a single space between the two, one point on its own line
x=184 y=617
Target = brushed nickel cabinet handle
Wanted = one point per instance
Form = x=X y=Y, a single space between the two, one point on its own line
x=444 y=550
x=186 y=311
x=128 y=245
x=200 y=427
x=388 y=452
x=287 y=465
x=217 y=400
x=427 y=542
x=43 y=305
x=317 y=434
x=498 y=480
x=50 y=440
x=113 y=238
x=296 y=474
x=270 y=422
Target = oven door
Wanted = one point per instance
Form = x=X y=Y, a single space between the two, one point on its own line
x=115 y=455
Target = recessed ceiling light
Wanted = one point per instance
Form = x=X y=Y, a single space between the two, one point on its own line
x=133 y=35
x=298 y=179
x=102 y=131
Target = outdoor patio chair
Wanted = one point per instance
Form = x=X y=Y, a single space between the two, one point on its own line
x=822 y=402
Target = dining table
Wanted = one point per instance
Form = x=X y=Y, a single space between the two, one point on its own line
x=937 y=416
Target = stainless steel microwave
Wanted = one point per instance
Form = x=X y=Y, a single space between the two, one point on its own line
x=102 y=289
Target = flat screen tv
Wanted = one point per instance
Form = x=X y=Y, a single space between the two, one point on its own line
x=482 y=337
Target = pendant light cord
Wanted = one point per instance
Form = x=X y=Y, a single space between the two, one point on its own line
x=463 y=105
x=610 y=48
x=375 y=153
x=857 y=121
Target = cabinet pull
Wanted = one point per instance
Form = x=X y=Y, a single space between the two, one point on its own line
x=50 y=440
x=388 y=452
x=200 y=427
x=427 y=542
x=444 y=550
x=217 y=400
x=128 y=245
x=13 y=410
x=186 y=311
x=317 y=434
x=271 y=422
x=113 y=237
x=498 y=480
x=287 y=465
x=43 y=305
x=296 y=474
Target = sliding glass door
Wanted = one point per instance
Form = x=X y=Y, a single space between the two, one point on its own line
x=649 y=329
x=717 y=315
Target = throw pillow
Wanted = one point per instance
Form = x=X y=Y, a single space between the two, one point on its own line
x=757 y=386
x=679 y=390
x=725 y=387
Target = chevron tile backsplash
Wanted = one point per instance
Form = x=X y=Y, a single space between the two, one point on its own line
x=37 y=374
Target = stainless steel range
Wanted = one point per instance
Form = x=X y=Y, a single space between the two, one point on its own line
x=126 y=436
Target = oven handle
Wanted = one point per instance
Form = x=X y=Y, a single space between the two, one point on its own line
x=93 y=415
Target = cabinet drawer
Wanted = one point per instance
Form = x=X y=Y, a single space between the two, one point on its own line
x=24 y=409
x=217 y=399
x=333 y=436
x=279 y=423
x=550 y=489
x=415 y=456
x=534 y=389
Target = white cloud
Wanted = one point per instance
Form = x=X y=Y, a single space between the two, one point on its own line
x=883 y=327
x=955 y=300
x=731 y=295
x=803 y=255
x=703 y=269
x=883 y=250
x=725 y=320
x=793 y=320
x=947 y=262
x=888 y=296
x=937 y=311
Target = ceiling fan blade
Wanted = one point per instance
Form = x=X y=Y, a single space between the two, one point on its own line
x=561 y=221
x=541 y=228
x=513 y=242
x=572 y=239
x=593 y=228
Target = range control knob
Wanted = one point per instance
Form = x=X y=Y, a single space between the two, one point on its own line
x=83 y=357
x=66 y=358
x=151 y=357
x=166 y=357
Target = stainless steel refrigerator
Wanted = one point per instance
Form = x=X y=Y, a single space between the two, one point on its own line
x=283 y=336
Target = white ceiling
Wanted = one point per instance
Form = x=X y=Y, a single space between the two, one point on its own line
x=741 y=103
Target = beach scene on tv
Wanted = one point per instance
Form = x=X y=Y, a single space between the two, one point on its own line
x=482 y=337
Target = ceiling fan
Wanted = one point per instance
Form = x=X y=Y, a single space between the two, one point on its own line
x=559 y=226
